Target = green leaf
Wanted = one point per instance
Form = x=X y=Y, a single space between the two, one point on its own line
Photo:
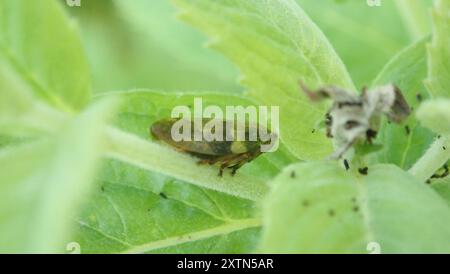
x=142 y=108
x=191 y=66
x=415 y=16
x=41 y=46
x=42 y=184
x=438 y=81
x=21 y=113
x=442 y=187
x=435 y=115
x=404 y=144
x=274 y=44
x=319 y=207
x=141 y=44
x=363 y=41
x=136 y=211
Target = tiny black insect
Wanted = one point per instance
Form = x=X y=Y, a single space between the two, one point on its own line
x=293 y=175
x=408 y=130
x=346 y=164
x=313 y=131
x=419 y=97
x=370 y=135
x=363 y=171
x=444 y=148
x=162 y=195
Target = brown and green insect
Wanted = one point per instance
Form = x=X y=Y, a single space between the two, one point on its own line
x=228 y=154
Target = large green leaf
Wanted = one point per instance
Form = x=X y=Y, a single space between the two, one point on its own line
x=415 y=16
x=42 y=46
x=319 y=207
x=363 y=41
x=435 y=114
x=438 y=81
x=22 y=114
x=43 y=183
x=274 y=44
x=136 y=211
x=404 y=144
x=141 y=44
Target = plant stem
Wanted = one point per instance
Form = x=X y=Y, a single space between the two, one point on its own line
x=134 y=150
x=435 y=157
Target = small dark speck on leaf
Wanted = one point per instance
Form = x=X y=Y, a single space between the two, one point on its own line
x=305 y=203
x=444 y=148
x=102 y=188
x=408 y=130
x=428 y=182
x=162 y=195
x=439 y=136
x=363 y=171
x=331 y=212
x=293 y=175
x=313 y=131
x=419 y=97
x=356 y=208
x=346 y=164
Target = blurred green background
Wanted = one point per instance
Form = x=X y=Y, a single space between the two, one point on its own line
x=134 y=44
x=141 y=44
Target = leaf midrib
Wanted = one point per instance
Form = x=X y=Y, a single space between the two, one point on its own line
x=223 y=229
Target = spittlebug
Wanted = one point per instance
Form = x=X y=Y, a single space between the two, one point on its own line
x=228 y=152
